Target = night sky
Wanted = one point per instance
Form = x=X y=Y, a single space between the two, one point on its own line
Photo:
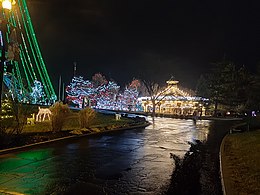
x=145 y=38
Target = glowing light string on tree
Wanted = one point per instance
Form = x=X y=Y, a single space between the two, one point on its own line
x=105 y=95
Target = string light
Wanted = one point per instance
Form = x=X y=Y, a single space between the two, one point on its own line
x=104 y=96
x=30 y=67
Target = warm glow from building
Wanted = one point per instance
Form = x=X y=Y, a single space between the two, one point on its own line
x=171 y=82
x=173 y=100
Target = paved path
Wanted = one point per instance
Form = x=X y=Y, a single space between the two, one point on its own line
x=130 y=161
x=199 y=172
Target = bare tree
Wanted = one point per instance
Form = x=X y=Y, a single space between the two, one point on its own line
x=156 y=92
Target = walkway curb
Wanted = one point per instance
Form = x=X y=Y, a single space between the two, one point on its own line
x=19 y=148
x=220 y=164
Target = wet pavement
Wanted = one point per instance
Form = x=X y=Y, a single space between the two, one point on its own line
x=126 y=162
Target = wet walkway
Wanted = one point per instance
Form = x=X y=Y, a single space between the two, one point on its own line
x=131 y=161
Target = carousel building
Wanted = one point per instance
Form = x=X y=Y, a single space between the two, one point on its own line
x=173 y=100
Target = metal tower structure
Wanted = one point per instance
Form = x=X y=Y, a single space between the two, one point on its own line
x=25 y=74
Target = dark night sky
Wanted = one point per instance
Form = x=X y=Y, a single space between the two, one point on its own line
x=145 y=38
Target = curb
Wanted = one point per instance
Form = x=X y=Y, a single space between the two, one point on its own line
x=220 y=165
x=20 y=148
x=15 y=149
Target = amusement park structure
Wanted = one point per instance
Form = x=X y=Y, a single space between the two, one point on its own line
x=24 y=76
x=173 y=100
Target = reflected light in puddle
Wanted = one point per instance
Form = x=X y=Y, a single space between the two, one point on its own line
x=27 y=172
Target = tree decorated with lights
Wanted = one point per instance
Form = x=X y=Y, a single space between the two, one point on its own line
x=99 y=80
x=130 y=95
x=37 y=94
x=99 y=92
x=105 y=91
x=78 y=89
x=103 y=94
x=107 y=94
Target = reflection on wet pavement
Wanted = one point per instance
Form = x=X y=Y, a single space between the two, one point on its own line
x=131 y=161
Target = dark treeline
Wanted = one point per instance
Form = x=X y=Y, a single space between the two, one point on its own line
x=230 y=87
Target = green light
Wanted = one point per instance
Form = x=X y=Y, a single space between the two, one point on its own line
x=27 y=172
x=31 y=66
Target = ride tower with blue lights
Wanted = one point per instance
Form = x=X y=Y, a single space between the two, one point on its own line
x=24 y=71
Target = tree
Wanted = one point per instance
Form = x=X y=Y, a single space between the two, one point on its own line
x=98 y=80
x=156 y=93
x=37 y=92
x=102 y=93
x=229 y=86
x=130 y=95
x=13 y=117
x=106 y=95
x=202 y=89
x=242 y=89
x=253 y=92
x=219 y=83
x=78 y=89
x=135 y=84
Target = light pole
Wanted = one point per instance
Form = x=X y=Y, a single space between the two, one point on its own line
x=6 y=6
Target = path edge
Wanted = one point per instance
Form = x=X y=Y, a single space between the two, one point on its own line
x=28 y=146
x=221 y=151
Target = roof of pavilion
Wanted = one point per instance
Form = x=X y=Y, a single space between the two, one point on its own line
x=173 y=93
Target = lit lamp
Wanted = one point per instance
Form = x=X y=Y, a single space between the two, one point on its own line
x=6 y=5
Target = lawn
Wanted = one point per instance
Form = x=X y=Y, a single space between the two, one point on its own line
x=72 y=123
x=241 y=163
x=42 y=131
x=65 y=122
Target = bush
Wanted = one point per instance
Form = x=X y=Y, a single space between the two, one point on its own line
x=13 y=117
x=12 y=120
x=186 y=176
x=86 y=117
x=59 y=114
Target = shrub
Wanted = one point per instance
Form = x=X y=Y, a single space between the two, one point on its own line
x=59 y=114
x=86 y=117
x=12 y=120
x=13 y=117
x=6 y=117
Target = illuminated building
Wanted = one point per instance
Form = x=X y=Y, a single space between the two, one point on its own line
x=173 y=100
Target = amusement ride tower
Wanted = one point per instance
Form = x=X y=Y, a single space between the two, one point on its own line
x=23 y=71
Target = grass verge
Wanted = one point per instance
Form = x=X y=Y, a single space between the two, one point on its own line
x=72 y=123
x=42 y=131
x=241 y=163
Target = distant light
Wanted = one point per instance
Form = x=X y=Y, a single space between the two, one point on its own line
x=6 y=4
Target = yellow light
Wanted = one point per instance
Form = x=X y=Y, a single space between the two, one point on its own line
x=7 y=4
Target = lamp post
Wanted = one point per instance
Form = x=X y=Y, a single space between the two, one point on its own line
x=6 y=6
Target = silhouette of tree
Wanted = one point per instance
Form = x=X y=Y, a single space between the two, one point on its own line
x=229 y=86
x=202 y=88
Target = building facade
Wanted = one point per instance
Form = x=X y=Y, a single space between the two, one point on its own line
x=175 y=101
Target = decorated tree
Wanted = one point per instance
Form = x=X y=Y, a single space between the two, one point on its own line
x=107 y=95
x=78 y=90
x=37 y=92
x=135 y=84
x=99 y=80
x=130 y=95
x=102 y=94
